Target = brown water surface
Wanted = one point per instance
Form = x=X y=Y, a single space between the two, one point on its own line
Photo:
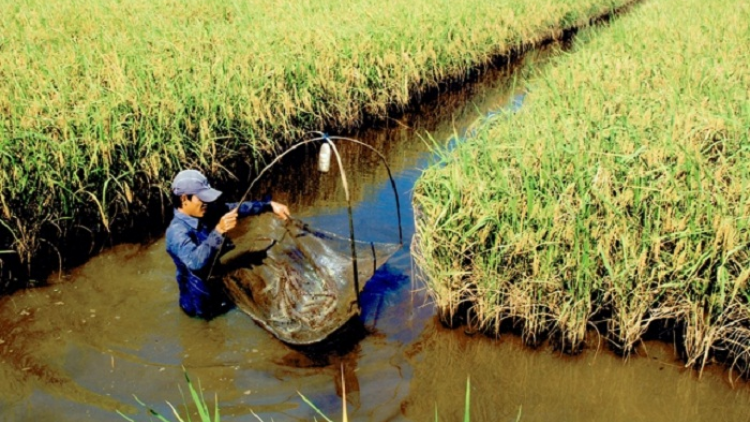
x=80 y=348
x=508 y=379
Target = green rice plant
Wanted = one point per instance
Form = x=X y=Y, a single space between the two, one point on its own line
x=467 y=405
x=205 y=416
x=619 y=192
x=198 y=400
x=344 y=417
x=101 y=103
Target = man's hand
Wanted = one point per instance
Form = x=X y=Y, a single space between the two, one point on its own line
x=228 y=222
x=280 y=210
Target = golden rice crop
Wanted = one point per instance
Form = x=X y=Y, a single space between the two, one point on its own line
x=102 y=102
x=615 y=199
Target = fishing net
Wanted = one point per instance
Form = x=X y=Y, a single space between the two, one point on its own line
x=298 y=282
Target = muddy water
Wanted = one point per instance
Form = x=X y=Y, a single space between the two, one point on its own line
x=508 y=379
x=82 y=347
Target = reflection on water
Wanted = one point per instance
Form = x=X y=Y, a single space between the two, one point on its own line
x=79 y=349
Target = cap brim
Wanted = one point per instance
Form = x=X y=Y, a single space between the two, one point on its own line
x=208 y=195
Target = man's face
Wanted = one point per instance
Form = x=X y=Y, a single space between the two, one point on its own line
x=193 y=207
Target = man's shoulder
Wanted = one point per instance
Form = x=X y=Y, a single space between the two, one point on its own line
x=177 y=226
x=177 y=231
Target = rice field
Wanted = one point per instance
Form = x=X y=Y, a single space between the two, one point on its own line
x=614 y=205
x=102 y=102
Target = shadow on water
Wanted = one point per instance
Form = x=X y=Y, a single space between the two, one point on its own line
x=78 y=349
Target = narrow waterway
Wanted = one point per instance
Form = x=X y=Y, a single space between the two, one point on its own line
x=83 y=347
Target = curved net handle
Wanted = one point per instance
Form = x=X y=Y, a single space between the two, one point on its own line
x=325 y=138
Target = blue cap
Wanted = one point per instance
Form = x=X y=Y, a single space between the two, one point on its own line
x=193 y=182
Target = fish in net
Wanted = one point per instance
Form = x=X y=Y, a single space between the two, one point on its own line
x=298 y=282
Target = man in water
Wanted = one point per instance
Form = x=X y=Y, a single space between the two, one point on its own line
x=197 y=234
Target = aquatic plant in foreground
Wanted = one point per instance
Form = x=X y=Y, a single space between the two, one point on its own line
x=205 y=416
x=197 y=399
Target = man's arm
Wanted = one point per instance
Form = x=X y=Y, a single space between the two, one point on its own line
x=249 y=208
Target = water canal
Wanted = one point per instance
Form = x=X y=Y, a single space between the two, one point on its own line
x=80 y=348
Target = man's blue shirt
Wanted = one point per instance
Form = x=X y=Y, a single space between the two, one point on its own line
x=193 y=244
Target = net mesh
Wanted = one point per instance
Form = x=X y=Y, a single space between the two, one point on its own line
x=298 y=282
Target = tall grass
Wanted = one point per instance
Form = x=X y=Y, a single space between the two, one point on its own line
x=102 y=102
x=616 y=199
